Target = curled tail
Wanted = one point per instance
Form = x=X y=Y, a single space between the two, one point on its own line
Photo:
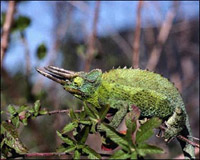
x=188 y=149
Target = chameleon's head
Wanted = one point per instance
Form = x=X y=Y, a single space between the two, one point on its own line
x=80 y=84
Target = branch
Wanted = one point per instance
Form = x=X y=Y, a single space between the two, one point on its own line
x=92 y=37
x=7 y=27
x=161 y=39
x=48 y=154
x=136 y=42
x=62 y=111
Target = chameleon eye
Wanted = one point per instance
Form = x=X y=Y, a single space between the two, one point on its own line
x=78 y=81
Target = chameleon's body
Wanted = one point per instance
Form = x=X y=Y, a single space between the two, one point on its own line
x=153 y=94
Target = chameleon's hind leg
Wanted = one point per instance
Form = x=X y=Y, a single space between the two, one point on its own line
x=175 y=124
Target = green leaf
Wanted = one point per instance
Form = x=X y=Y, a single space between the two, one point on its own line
x=66 y=139
x=11 y=138
x=85 y=122
x=69 y=149
x=22 y=108
x=144 y=149
x=15 y=121
x=146 y=130
x=43 y=112
x=69 y=127
x=41 y=51
x=72 y=114
x=104 y=111
x=37 y=107
x=11 y=109
x=21 y=23
x=120 y=154
x=134 y=155
x=115 y=136
x=76 y=154
x=91 y=153
x=89 y=112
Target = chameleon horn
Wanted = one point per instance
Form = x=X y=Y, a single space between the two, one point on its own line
x=60 y=74
x=61 y=70
x=52 y=77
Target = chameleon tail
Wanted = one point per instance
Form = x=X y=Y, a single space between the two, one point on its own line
x=188 y=149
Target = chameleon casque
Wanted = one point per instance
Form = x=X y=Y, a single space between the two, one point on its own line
x=153 y=94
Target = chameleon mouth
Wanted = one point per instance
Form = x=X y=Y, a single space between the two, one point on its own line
x=58 y=75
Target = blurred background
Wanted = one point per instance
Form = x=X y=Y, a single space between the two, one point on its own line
x=162 y=36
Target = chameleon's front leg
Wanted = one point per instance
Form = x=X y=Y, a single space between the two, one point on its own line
x=119 y=115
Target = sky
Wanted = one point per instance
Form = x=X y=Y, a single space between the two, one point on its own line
x=113 y=16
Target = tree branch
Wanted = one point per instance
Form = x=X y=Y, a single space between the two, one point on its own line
x=161 y=39
x=7 y=27
x=92 y=37
x=136 y=42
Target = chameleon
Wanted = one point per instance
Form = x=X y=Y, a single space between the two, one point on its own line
x=121 y=88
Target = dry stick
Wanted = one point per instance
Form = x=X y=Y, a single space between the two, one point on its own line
x=92 y=37
x=162 y=37
x=136 y=42
x=7 y=28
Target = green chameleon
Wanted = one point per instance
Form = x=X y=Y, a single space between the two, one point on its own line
x=119 y=88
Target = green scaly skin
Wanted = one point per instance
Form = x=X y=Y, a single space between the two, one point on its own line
x=153 y=94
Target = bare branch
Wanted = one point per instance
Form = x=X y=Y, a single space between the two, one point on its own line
x=7 y=27
x=92 y=37
x=136 y=42
x=161 y=39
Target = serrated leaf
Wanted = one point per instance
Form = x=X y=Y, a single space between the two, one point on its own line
x=11 y=138
x=76 y=154
x=66 y=139
x=11 y=109
x=120 y=154
x=89 y=112
x=41 y=51
x=104 y=111
x=69 y=127
x=115 y=136
x=144 y=149
x=91 y=153
x=146 y=130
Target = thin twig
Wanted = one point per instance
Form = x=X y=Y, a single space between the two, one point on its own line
x=136 y=42
x=48 y=154
x=62 y=111
x=92 y=37
x=161 y=39
x=6 y=28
